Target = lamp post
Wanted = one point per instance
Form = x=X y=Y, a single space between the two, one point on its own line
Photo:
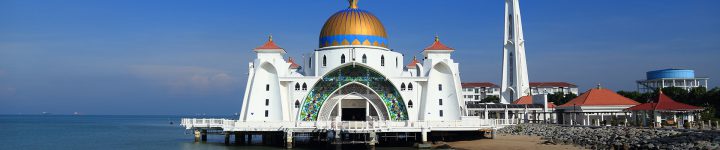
x=574 y=115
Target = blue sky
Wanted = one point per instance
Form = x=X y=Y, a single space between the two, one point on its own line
x=185 y=57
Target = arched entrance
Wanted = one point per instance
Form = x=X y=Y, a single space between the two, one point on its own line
x=324 y=90
x=353 y=102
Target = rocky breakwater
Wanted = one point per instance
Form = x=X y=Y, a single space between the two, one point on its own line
x=618 y=137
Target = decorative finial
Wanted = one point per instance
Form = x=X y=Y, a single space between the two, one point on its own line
x=437 y=38
x=598 y=86
x=353 y=4
x=270 y=37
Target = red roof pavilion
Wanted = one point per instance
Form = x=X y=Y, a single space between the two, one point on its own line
x=664 y=103
x=600 y=96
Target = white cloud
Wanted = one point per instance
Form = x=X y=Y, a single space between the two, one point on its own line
x=183 y=80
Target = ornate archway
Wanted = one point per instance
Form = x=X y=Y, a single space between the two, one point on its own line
x=355 y=74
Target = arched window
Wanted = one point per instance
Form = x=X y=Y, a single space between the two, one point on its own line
x=410 y=86
x=364 y=59
x=439 y=87
x=267 y=87
x=267 y=102
x=396 y=62
x=342 y=59
x=297 y=86
x=297 y=104
x=382 y=60
x=304 y=87
x=440 y=102
x=441 y=113
x=402 y=87
x=410 y=104
x=310 y=62
x=266 y=113
x=324 y=61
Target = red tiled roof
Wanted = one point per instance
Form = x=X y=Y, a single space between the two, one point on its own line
x=268 y=45
x=551 y=84
x=664 y=103
x=437 y=45
x=413 y=63
x=528 y=100
x=293 y=65
x=477 y=84
x=600 y=96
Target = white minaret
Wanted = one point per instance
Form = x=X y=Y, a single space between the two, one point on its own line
x=514 y=75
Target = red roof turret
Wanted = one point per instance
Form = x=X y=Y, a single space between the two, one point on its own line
x=664 y=103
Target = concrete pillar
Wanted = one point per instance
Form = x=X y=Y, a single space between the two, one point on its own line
x=203 y=134
x=227 y=138
x=289 y=139
x=506 y=116
x=197 y=135
x=486 y=114
x=373 y=140
x=238 y=138
x=424 y=137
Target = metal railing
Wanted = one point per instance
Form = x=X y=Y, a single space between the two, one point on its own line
x=227 y=124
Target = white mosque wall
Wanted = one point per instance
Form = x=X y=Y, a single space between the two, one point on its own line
x=442 y=73
x=264 y=94
x=391 y=67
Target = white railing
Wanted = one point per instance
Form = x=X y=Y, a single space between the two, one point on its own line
x=227 y=124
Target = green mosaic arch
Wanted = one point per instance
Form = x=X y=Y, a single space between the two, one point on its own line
x=357 y=74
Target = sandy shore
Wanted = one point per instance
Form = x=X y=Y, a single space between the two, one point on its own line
x=507 y=142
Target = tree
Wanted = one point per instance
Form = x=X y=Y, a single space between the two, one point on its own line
x=491 y=99
x=560 y=98
x=637 y=96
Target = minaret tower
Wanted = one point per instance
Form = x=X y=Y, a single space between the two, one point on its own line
x=514 y=75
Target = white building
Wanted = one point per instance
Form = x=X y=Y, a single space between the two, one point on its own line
x=476 y=91
x=553 y=87
x=353 y=75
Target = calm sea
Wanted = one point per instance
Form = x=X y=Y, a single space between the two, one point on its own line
x=60 y=132
x=81 y=132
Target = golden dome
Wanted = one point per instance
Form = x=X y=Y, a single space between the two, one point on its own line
x=353 y=26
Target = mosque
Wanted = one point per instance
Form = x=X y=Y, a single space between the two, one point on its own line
x=355 y=87
x=353 y=75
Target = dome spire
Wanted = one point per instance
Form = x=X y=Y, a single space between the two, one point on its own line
x=353 y=4
x=437 y=38
x=270 y=37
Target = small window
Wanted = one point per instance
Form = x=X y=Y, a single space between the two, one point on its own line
x=402 y=87
x=297 y=86
x=267 y=87
x=396 y=62
x=439 y=87
x=297 y=104
x=304 y=87
x=382 y=60
x=342 y=59
x=266 y=113
x=310 y=62
x=410 y=104
x=324 y=61
x=364 y=59
x=441 y=113
x=267 y=102
x=409 y=87
x=440 y=102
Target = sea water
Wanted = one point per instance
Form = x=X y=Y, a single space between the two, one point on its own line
x=80 y=132
x=95 y=132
